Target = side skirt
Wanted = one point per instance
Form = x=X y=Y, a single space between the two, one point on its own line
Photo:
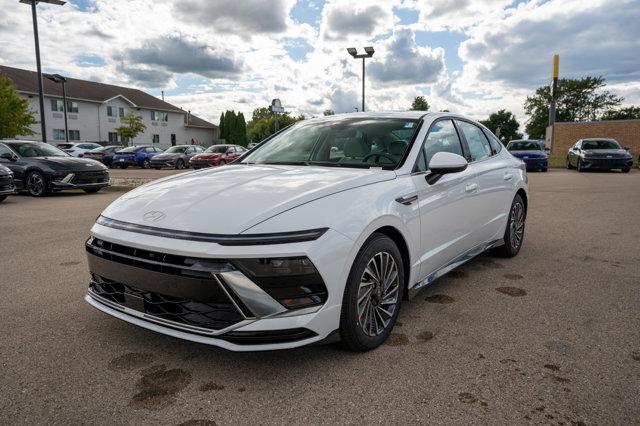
x=464 y=258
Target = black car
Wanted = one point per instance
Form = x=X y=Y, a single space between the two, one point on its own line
x=176 y=157
x=40 y=168
x=104 y=154
x=599 y=153
x=7 y=186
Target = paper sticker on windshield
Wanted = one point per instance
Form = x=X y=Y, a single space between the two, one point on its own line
x=409 y=125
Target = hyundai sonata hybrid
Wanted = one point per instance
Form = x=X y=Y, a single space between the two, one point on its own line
x=317 y=234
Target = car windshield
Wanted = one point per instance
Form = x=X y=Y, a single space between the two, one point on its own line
x=524 y=146
x=65 y=145
x=339 y=142
x=176 y=149
x=216 y=149
x=600 y=144
x=36 y=149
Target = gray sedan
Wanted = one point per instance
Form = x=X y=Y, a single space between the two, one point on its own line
x=176 y=156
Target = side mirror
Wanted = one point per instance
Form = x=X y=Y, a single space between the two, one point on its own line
x=547 y=149
x=8 y=156
x=443 y=163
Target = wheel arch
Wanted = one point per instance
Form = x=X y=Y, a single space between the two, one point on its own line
x=396 y=236
x=523 y=194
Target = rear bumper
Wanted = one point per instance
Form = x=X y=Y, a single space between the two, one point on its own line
x=125 y=161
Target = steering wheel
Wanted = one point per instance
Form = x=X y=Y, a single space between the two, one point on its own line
x=378 y=155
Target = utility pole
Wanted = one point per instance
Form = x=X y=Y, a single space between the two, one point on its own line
x=554 y=90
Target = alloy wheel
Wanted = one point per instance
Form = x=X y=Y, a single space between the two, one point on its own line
x=516 y=230
x=35 y=184
x=378 y=294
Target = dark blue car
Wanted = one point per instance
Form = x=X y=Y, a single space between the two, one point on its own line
x=531 y=152
x=139 y=155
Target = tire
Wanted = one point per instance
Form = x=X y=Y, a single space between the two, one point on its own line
x=569 y=166
x=514 y=233
x=544 y=170
x=626 y=170
x=179 y=164
x=146 y=164
x=36 y=184
x=221 y=163
x=360 y=331
x=157 y=168
x=579 y=167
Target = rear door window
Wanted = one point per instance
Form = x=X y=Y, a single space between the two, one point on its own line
x=479 y=147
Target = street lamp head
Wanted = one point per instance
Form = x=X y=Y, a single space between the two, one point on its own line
x=369 y=51
x=56 y=78
x=352 y=51
x=56 y=2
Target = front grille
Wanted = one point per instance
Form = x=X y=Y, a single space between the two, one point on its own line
x=210 y=315
x=82 y=178
x=606 y=162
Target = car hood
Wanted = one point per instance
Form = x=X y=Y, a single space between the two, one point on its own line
x=530 y=154
x=72 y=164
x=616 y=153
x=206 y=156
x=232 y=199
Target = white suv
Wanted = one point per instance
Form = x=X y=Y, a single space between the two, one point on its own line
x=320 y=231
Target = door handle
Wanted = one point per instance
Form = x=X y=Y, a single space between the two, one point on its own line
x=471 y=187
x=508 y=176
x=407 y=199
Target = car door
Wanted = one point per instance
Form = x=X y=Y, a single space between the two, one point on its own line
x=445 y=205
x=495 y=179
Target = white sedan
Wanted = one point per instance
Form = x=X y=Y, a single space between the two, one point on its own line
x=78 y=149
x=319 y=233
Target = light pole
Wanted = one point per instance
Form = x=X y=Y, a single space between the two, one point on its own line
x=57 y=78
x=34 y=16
x=368 y=52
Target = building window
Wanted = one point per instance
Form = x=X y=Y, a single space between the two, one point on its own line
x=57 y=105
x=111 y=111
x=122 y=112
x=156 y=138
x=113 y=137
x=159 y=116
x=58 y=134
x=72 y=106
x=74 y=135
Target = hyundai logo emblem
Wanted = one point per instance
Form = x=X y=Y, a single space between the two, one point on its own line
x=153 y=216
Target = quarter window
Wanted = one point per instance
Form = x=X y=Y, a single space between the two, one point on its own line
x=479 y=146
x=442 y=137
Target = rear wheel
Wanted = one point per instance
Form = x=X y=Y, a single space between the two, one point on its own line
x=626 y=170
x=373 y=295
x=579 y=167
x=37 y=184
x=2 y=198
x=91 y=190
x=514 y=234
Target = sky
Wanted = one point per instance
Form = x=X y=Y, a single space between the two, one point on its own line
x=468 y=56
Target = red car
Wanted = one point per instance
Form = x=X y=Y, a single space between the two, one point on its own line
x=217 y=155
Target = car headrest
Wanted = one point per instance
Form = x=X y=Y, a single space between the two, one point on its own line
x=355 y=148
x=397 y=147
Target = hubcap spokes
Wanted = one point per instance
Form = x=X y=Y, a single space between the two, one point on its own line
x=378 y=294
x=517 y=225
x=35 y=184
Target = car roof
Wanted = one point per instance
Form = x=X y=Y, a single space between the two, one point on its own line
x=598 y=139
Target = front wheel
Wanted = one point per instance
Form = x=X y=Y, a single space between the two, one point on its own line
x=626 y=170
x=221 y=163
x=579 y=167
x=514 y=234
x=179 y=164
x=146 y=164
x=373 y=295
x=569 y=166
x=37 y=185
x=2 y=198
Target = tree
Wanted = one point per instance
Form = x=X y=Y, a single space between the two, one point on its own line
x=507 y=124
x=229 y=123
x=419 y=104
x=223 y=129
x=132 y=128
x=627 y=113
x=328 y=112
x=576 y=100
x=15 y=116
x=241 y=126
x=262 y=123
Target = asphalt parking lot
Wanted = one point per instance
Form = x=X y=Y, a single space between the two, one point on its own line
x=551 y=336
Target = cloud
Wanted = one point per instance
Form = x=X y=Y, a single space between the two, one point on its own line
x=441 y=15
x=342 y=20
x=145 y=77
x=179 y=55
x=403 y=62
x=248 y=16
x=592 y=38
x=342 y=100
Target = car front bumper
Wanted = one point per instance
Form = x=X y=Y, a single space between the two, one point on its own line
x=80 y=180
x=163 y=163
x=606 y=163
x=534 y=164
x=7 y=185
x=201 y=163
x=255 y=321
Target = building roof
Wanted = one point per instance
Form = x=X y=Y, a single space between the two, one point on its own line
x=27 y=81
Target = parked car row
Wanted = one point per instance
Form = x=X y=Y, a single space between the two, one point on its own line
x=40 y=168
